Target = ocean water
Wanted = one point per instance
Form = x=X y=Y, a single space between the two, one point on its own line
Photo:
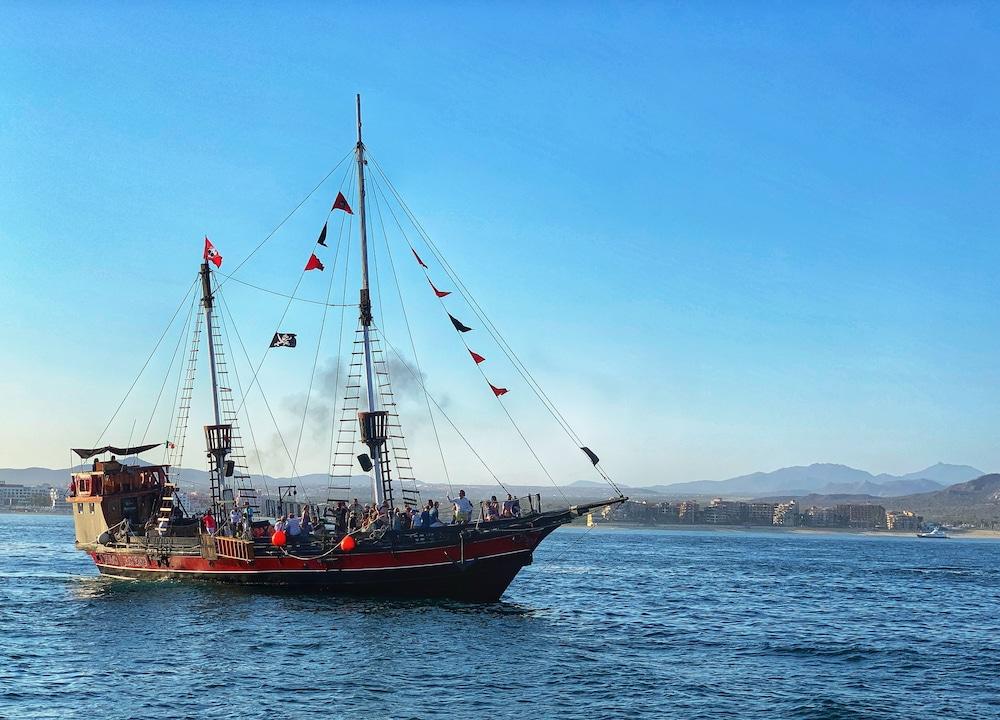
x=606 y=624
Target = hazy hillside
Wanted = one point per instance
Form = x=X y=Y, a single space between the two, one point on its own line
x=977 y=499
x=826 y=478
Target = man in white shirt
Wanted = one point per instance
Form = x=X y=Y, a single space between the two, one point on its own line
x=294 y=528
x=463 y=507
x=235 y=518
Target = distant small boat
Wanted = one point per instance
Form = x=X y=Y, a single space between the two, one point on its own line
x=935 y=534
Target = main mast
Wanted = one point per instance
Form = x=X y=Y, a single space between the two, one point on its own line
x=373 y=422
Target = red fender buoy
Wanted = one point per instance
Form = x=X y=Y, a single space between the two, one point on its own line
x=348 y=543
x=278 y=538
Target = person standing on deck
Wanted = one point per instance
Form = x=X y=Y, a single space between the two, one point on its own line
x=463 y=507
x=209 y=522
x=235 y=518
x=340 y=517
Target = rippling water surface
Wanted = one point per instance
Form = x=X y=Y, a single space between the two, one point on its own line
x=606 y=623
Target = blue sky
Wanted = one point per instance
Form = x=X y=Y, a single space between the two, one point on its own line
x=724 y=237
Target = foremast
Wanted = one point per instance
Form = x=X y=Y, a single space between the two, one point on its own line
x=374 y=422
x=218 y=437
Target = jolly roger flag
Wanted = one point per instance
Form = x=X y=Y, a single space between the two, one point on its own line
x=341 y=204
x=281 y=339
x=322 y=236
x=458 y=324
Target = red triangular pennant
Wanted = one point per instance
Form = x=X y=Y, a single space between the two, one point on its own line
x=422 y=263
x=498 y=391
x=211 y=254
x=477 y=357
x=439 y=293
x=341 y=204
x=314 y=263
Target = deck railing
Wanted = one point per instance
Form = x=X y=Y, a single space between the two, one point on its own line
x=234 y=548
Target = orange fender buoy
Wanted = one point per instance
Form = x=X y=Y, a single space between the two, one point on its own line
x=278 y=538
x=348 y=543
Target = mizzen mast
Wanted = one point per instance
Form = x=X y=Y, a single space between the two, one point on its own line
x=374 y=422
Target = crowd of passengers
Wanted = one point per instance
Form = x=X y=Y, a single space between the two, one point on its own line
x=355 y=517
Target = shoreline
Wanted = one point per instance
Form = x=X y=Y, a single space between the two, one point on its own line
x=673 y=527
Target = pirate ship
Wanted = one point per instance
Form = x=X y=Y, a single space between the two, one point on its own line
x=131 y=518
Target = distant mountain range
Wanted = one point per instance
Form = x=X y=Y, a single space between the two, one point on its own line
x=828 y=478
x=819 y=478
x=798 y=481
x=977 y=499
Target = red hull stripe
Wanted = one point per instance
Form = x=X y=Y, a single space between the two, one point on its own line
x=320 y=567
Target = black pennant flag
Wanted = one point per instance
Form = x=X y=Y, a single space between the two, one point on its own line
x=283 y=340
x=322 y=236
x=591 y=454
x=458 y=324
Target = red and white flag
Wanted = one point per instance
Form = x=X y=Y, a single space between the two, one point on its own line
x=211 y=254
x=314 y=263
x=477 y=357
x=341 y=204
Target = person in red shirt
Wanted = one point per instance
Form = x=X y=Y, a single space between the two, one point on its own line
x=209 y=522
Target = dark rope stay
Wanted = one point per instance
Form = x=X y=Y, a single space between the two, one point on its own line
x=492 y=329
x=189 y=331
x=145 y=364
x=409 y=332
x=336 y=377
x=510 y=417
x=239 y=386
x=166 y=376
x=283 y=295
x=454 y=427
x=263 y=395
x=348 y=221
x=277 y=328
x=294 y=210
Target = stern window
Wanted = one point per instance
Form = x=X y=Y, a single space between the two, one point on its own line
x=91 y=508
x=79 y=508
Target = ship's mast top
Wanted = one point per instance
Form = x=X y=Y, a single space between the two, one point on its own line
x=366 y=305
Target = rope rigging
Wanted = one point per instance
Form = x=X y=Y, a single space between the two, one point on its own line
x=166 y=376
x=348 y=221
x=496 y=391
x=490 y=327
x=146 y=363
x=409 y=332
x=249 y=388
x=277 y=227
x=239 y=386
